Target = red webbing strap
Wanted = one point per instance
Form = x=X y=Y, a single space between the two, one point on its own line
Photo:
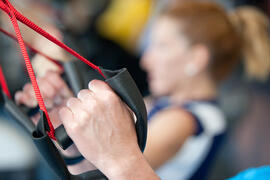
x=42 y=32
x=33 y=49
x=29 y=67
x=3 y=83
x=14 y=16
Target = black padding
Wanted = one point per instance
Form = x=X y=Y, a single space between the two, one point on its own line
x=122 y=83
x=12 y=109
x=73 y=160
x=73 y=77
x=29 y=111
x=50 y=154
x=62 y=138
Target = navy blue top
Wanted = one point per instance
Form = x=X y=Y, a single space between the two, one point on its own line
x=200 y=171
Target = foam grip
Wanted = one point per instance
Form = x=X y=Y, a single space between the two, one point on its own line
x=16 y=113
x=123 y=84
x=29 y=111
x=63 y=140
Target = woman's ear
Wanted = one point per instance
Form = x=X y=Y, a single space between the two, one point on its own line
x=200 y=57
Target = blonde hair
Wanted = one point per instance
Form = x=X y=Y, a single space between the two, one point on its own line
x=241 y=34
x=254 y=28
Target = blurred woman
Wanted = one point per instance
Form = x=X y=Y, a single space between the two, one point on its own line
x=194 y=46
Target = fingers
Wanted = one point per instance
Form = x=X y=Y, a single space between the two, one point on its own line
x=67 y=118
x=103 y=92
x=78 y=110
x=48 y=92
x=86 y=96
x=73 y=117
x=46 y=88
x=88 y=101
x=75 y=105
x=52 y=88
x=24 y=98
x=98 y=122
x=98 y=86
x=55 y=79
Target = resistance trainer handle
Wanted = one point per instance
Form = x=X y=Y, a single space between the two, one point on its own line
x=120 y=81
x=29 y=111
x=123 y=84
x=16 y=113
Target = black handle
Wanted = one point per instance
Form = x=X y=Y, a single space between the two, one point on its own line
x=120 y=81
x=29 y=111
x=17 y=114
x=123 y=84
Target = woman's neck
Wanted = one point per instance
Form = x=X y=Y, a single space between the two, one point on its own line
x=198 y=88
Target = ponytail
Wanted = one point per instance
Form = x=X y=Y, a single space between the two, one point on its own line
x=254 y=28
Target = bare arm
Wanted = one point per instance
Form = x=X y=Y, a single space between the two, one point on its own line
x=168 y=131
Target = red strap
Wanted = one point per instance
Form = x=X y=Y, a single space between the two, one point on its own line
x=33 y=49
x=42 y=32
x=14 y=16
x=29 y=67
x=3 y=83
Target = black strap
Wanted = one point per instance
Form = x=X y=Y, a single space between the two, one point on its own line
x=73 y=160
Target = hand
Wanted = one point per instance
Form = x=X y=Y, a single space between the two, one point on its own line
x=55 y=93
x=100 y=124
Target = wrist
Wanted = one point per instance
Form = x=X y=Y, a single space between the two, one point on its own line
x=131 y=165
x=82 y=167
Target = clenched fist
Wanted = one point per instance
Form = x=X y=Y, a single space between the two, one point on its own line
x=101 y=126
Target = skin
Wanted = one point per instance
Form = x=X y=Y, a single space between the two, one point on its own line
x=107 y=127
x=96 y=116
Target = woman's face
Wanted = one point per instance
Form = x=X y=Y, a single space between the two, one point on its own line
x=166 y=57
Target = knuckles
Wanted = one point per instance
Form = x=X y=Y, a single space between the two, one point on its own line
x=71 y=102
x=83 y=93
x=110 y=97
